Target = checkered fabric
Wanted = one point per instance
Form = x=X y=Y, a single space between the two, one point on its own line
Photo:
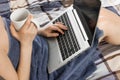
x=108 y=66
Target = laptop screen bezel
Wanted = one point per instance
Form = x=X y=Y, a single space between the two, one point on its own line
x=84 y=10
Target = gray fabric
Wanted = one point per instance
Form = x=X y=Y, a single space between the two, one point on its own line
x=39 y=55
x=4 y=8
x=112 y=9
x=80 y=67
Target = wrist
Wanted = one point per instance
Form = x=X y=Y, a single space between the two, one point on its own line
x=26 y=48
x=41 y=31
x=26 y=44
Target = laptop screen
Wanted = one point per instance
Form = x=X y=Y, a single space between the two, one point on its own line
x=88 y=11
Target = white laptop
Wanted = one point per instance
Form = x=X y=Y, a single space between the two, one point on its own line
x=77 y=38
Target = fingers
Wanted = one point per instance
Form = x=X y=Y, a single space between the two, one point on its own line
x=52 y=35
x=56 y=29
x=53 y=30
x=27 y=23
x=61 y=25
x=13 y=30
x=33 y=28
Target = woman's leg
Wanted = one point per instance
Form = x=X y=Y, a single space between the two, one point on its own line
x=4 y=42
x=109 y=22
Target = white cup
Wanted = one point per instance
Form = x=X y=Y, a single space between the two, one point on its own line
x=19 y=17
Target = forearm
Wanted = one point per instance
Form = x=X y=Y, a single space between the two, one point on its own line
x=25 y=36
x=25 y=62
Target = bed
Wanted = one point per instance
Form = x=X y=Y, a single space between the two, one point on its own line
x=108 y=66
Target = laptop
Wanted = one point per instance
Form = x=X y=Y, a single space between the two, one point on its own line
x=80 y=19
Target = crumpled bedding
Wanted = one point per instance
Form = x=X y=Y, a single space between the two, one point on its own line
x=108 y=66
x=78 y=69
x=106 y=70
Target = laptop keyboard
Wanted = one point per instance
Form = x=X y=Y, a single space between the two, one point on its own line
x=67 y=43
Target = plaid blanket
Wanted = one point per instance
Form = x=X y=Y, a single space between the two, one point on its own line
x=48 y=9
x=117 y=7
x=108 y=66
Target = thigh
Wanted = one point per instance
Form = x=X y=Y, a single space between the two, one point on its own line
x=4 y=42
x=109 y=22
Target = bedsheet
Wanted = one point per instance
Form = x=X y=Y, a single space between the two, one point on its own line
x=108 y=66
x=78 y=69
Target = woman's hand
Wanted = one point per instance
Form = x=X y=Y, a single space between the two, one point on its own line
x=26 y=34
x=53 y=30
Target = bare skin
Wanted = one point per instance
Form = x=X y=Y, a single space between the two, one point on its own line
x=9 y=73
x=4 y=46
x=109 y=22
x=53 y=30
x=25 y=36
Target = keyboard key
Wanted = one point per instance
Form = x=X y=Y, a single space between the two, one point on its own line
x=68 y=43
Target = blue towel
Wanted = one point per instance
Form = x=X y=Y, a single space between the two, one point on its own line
x=39 y=55
x=77 y=69
x=80 y=67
